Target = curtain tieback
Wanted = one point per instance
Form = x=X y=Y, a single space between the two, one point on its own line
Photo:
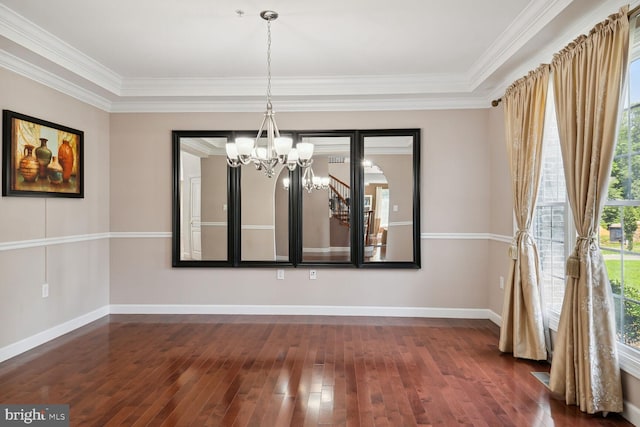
x=520 y=234
x=573 y=262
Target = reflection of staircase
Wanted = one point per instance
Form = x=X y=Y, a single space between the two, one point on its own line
x=339 y=200
x=340 y=205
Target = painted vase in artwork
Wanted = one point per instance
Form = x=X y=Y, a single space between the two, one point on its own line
x=54 y=171
x=44 y=157
x=65 y=157
x=29 y=165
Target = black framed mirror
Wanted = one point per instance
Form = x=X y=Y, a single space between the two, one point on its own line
x=357 y=205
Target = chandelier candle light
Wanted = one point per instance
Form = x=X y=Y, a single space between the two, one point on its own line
x=278 y=149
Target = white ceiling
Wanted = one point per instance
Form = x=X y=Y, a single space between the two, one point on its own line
x=200 y=55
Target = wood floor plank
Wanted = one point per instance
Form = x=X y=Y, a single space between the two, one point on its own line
x=160 y=370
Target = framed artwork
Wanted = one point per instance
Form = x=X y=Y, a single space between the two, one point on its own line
x=40 y=158
x=367 y=202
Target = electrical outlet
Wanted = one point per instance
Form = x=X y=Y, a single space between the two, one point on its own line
x=313 y=275
x=280 y=274
x=501 y=282
x=45 y=290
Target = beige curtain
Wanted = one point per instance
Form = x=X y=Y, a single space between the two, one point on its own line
x=522 y=331
x=587 y=78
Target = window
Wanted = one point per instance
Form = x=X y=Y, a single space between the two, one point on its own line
x=550 y=221
x=619 y=233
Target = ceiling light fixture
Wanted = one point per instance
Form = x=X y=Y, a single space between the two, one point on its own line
x=310 y=181
x=278 y=149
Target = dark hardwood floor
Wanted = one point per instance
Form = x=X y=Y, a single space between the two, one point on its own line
x=279 y=371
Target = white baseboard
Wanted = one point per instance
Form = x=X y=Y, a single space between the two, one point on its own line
x=427 y=312
x=495 y=317
x=40 y=338
x=631 y=413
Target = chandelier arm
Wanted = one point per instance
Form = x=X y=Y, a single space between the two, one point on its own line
x=270 y=135
x=275 y=125
x=264 y=120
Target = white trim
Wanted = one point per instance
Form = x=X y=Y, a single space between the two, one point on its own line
x=140 y=234
x=629 y=359
x=213 y=224
x=501 y=238
x=326 y=250
x=47 y=335
x=495 y=317
x=307 y=104
x=568 y=33
x=49 y=79
x=631 y=413
x=49 y=241
x=466 y=236
x=297 y=86
x=257 y=227
x=313 y=310
x=454 y=236
x=527 y=25
x=41 y=42
x=400 y=223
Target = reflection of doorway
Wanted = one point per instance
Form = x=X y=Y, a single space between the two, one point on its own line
x=194 y=218
x=376 y=208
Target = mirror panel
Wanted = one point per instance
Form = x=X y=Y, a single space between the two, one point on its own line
x=365 y=213
x=388 y=198
x=203 y=199
x=264 y=215
x=326 y=212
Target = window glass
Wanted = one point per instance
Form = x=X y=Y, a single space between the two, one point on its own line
x=550 y=217
x=619 y=238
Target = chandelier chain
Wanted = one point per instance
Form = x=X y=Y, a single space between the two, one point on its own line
x=269 y=63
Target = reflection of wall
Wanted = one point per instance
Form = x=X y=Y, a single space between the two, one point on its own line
x=398 y=169
x=340 y=235
x=315 y=212
x=342 y=171
x=258 y=215
x=213 y=203
x=190 y=169
x=282 y=218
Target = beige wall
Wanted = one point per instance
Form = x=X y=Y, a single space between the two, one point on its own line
x=501 y=208
x=77 y=272
x=455 y=176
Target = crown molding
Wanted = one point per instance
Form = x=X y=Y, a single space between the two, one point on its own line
x=527 y=24
x=47 y=78
x=339 y=93
x=309 y=104
x=34 y=38
x=571 y=32
x=408 y=84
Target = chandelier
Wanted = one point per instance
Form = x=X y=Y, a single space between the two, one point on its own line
x=310 y=181
x=278 y=149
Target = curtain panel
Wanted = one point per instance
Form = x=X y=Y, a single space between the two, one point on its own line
x=522 y=331
x=587 y=77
